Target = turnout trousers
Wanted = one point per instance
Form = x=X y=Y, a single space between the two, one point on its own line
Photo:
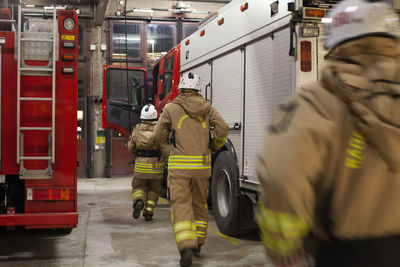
x=148 y=191
x=189 y=211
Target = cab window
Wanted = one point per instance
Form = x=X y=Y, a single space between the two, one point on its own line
x=168 y=68
x=126 y=90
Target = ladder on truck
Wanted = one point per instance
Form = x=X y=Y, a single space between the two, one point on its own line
x=25 y=39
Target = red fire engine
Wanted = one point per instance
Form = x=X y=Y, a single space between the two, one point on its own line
x=38 y=85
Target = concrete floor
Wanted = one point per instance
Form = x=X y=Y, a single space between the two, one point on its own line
x=108 y=236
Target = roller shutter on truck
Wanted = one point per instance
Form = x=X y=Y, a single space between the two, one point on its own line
x=227 y=88
x=269 y=81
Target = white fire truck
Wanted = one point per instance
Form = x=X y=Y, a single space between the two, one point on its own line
x=250 y=56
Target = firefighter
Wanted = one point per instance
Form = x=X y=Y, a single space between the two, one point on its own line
x=331 y=158
x=185 y=123
x=148 y=170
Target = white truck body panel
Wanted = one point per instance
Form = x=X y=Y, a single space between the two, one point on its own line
x=238 y=28
x=246 y=60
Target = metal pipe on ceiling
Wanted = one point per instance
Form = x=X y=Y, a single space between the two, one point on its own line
x=211 y=1
x=83 y=2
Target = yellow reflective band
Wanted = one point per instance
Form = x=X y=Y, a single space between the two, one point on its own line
x=138 y=193
x=280 y=246
x=285 y=224
x=219 y=142
x=203 y=123
x=185 y=235
x=201 y=232
x=187 y=164
x=187 y=167
x=185 y=225
x=181 y=120
x=185 y=160
x=151 y=202
x=185 y=157
x=201 y=223
x=149 y=209
x=144 y=164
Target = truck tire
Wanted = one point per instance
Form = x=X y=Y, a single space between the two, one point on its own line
x=225 y=194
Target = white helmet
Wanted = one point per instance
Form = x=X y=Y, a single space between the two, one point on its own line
x=352 y=19
x=149 y=112
x=190 y=81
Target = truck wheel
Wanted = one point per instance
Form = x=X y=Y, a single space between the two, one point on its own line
x=225 y=194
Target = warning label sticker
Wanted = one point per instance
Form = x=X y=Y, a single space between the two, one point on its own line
x=68 y=37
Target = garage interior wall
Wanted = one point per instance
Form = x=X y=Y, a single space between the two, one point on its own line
x=96 y=158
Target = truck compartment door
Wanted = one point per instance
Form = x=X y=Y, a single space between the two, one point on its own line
x=227 y=94
x=269 y=81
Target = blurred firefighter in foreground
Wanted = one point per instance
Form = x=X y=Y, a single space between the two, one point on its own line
x=331 y=159
x=185 y=123
x=148 y=170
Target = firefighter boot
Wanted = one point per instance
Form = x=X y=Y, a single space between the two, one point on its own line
x=148 y=217
x=196 y=251
x=186 y=257
x=137 y=208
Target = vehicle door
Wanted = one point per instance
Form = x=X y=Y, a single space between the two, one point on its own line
x=125 y=92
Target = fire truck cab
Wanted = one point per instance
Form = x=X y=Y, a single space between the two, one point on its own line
x=250 y=56
x=38 y=97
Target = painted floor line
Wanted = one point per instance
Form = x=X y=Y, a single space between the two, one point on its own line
x=233 y=241
x=162 y=200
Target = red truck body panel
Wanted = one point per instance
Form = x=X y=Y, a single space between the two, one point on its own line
x=42 y=213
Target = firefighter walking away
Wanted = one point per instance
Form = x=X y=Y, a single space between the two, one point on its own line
x=148 y=170
x=185 y=123
x=330 y=163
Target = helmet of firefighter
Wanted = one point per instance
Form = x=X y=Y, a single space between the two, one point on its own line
x=149 y=112
x=352 y=19
x=189 y=81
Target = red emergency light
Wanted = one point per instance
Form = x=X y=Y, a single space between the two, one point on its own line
x=305 y=48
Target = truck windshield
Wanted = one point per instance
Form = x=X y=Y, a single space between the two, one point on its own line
x=125 y=90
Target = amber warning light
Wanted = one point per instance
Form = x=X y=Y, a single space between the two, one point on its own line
x=244 y=7
x=314 y=13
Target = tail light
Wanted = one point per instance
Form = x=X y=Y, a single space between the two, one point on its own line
x=50 y=194
x=305 y=48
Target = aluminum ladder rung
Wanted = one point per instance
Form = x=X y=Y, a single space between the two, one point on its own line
x=36 y=128
x=36 y=40
x=37 y=69
x=36 y=98
x=34 y=158
x=7 y=21
x=22 y=70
